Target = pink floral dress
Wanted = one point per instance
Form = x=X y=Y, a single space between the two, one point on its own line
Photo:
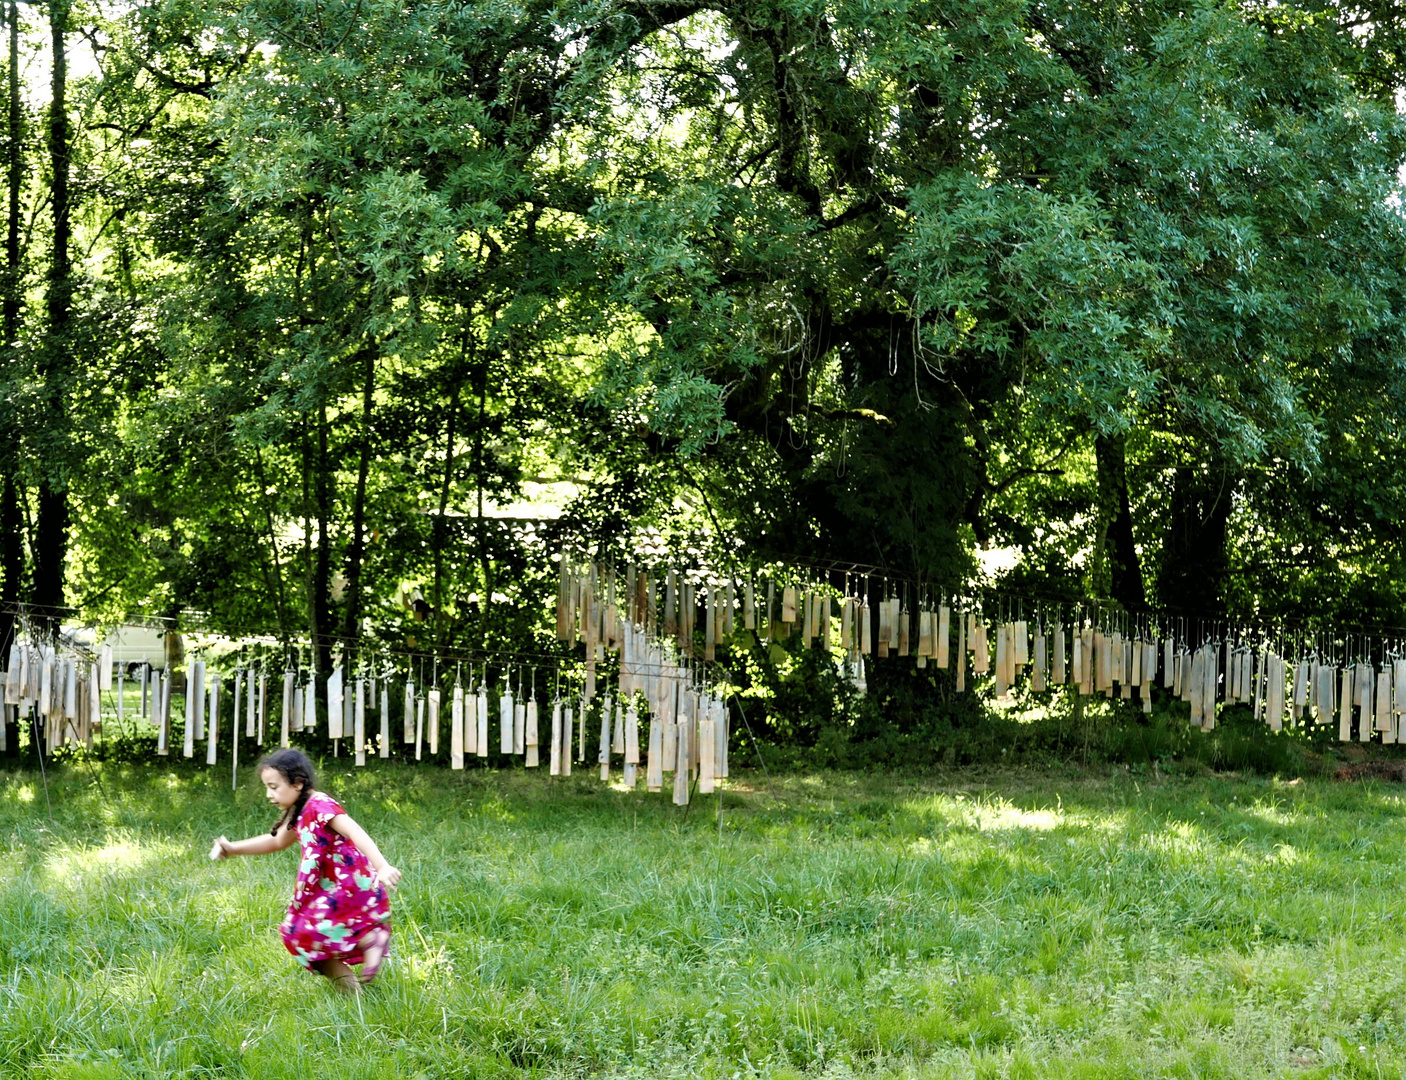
x=337 y=901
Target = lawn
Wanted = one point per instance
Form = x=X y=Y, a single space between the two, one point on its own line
x=1016 y=923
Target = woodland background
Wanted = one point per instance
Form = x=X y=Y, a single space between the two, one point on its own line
x=338 y=319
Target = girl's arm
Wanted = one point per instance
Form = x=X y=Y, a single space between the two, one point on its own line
x=345 y=826
x=255 y=845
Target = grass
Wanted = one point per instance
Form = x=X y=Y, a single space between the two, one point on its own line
x=1002 y=924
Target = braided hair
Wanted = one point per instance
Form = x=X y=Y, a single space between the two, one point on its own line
x=296 y=769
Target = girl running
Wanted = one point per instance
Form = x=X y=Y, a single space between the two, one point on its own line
x=340 y=914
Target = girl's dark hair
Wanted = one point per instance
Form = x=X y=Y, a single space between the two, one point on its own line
x=295 y=768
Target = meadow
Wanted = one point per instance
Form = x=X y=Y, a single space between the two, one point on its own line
x=1052 y=923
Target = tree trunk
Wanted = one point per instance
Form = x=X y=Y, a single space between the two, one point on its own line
x=279 y=596
x=1116 y=523
x=14 y=178
x=351 y=627
x=307 y=538
x=320 y=615
x=11 y=519
x=51 y=533
x=1194 y=559
x=480 y=526
x=439 y=522
x=456 y=380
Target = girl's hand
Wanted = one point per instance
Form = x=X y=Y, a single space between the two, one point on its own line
x=220 y=850
x=389 y=877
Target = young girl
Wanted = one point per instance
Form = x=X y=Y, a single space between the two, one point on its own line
x=340 y=914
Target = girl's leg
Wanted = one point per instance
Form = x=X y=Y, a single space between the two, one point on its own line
x=373 y=948
x=343 y=978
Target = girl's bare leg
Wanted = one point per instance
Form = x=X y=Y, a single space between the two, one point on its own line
x=373 y=949
x=342 y=977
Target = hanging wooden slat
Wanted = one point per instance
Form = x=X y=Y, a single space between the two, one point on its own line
x=654 y=762
x=681 y=766
x=457 y=729
x=554 y=754
x=1086 y=660
x=961 y=653
x=1254 y=691
x=359 y=721
x=1398 y=708
x=631 y=749
x=1003 y=638
x=707 y=755
x=603 y=757
x=567 y=719
x=1198 y=688
x=1213 y=674
x=296 y=722
x=981 y=650
x=263 y=703
x=384 y=742
x=689 y=617
x=505 y=720
x=710 y=627
x=213 y=724
x=1103 y=661
x=1275 y=693
x=1340 y=690
x=530 y=734
x=1382 y=705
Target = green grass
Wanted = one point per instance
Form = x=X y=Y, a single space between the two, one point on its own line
x=1002 y=924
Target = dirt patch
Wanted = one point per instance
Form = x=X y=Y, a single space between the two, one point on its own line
x=1373 y=770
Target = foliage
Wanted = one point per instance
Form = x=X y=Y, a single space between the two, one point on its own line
x=377 y=307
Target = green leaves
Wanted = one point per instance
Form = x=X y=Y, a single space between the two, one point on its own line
x=1017 y=274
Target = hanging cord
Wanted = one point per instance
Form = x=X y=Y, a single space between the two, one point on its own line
x=756 y=746
x=39 y=747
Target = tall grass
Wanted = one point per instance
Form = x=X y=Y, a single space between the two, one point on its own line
x=1007 y=924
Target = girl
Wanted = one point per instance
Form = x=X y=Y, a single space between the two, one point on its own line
x=340 y=913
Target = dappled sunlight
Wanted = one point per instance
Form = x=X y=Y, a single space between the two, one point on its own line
x=963 y=851
x=1272 y=814
x=1006 y=816
x=496 y=810
x=1183 y=839
x=994 y=814
x=71 y=864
